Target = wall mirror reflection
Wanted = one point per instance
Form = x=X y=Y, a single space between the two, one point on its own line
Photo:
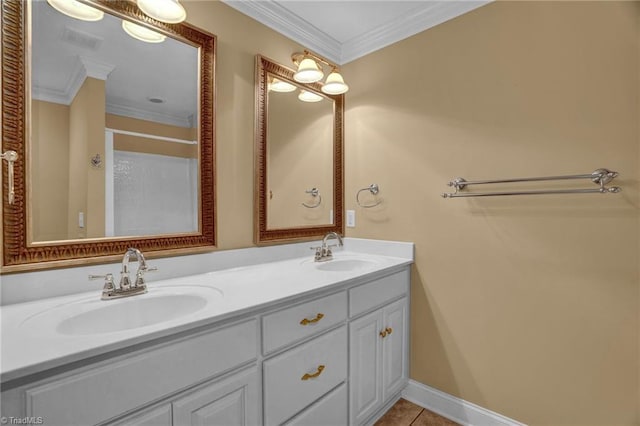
x=113 y=130
x=299 y=156
x=117 y=147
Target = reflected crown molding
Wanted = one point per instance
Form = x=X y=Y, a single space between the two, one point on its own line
x=158 y=117
x=83 y=67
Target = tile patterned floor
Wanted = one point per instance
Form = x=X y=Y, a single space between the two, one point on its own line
x=405 y=413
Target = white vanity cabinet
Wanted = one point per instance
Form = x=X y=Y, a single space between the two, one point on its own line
x=105 y=390
x=378 y=346
x=330 y=357
x=233 y=400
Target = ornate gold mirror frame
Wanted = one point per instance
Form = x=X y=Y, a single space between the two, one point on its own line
x=264 y=235
x=18 y=253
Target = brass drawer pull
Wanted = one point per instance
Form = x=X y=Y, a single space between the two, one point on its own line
x=314 y=375
x=312 y=321
x=384 y=333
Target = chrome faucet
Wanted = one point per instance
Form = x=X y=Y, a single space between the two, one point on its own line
x=125 y=287
x=323 y=253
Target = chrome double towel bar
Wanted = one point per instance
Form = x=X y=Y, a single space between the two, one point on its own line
x=600 y=177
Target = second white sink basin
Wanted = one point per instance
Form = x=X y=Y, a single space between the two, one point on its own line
x=95 y=316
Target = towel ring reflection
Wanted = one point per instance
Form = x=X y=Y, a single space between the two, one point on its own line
x=373 y=189
x=315 y=192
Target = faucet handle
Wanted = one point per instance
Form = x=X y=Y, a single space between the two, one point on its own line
x=108 y=282
x=140 y=275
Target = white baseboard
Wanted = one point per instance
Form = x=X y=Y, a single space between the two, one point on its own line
x=453 y=408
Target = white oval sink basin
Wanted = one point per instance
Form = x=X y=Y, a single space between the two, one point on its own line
x=94 y=316
x=131 y=313
x=345 y=265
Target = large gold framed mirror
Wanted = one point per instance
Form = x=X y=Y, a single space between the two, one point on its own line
x=299 y=157
x=114 y=135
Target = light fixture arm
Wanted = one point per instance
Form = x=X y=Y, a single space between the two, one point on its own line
x=299 y=56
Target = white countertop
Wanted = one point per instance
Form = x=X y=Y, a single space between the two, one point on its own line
x=27 y=350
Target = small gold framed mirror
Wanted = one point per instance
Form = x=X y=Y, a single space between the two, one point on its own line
x=298 y=157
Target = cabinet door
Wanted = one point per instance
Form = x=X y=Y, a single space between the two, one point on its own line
x=394 y=348
x=365 y=361
x=229 y=402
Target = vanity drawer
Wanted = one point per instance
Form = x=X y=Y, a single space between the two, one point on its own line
x=298 y=377
x=330 y=410
x=378 y=292
x=292 y=324
x=133 y=380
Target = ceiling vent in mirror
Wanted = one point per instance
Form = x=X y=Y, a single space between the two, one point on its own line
x=77 y=10
x=169 y=11
x=81 y=39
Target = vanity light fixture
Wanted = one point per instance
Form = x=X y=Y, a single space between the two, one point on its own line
x=277 y=85
x=334 y=84
x=142 y=33
x=77 y=10
x=306 y=96
x=169 y=11
x=310 y=71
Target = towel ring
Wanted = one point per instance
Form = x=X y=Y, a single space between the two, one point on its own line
x=373 y=189
x=315 y=192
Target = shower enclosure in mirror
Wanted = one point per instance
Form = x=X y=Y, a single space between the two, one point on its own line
x=117 y=146
x=299 y=157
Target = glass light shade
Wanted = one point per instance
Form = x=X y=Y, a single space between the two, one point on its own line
x=169 y=11
x=77 y=10
x=281 y=86
x=142 y=33
x=308 y=72
x=305 y=96
x=334 y=85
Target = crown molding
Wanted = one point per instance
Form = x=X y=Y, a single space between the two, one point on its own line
x=82 y=68
x=427 y=15
x=65 y=96
x=142 y=114
x=281 y=20
x=96 y=69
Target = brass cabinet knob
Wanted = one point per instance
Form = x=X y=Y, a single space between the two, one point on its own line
x=384 y=333
x=308 y=376
x=307 y=321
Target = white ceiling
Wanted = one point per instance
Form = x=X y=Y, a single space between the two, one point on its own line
x=343 y=31
x=65 y=51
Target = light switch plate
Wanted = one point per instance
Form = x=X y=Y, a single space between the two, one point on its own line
x=351 y=218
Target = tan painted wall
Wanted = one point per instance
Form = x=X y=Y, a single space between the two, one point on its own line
x=240 y=38
x=49 y=170
x=133 y=143
x=86 y=184
x=300 y=157
x=150 y=127
x=527 y=306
